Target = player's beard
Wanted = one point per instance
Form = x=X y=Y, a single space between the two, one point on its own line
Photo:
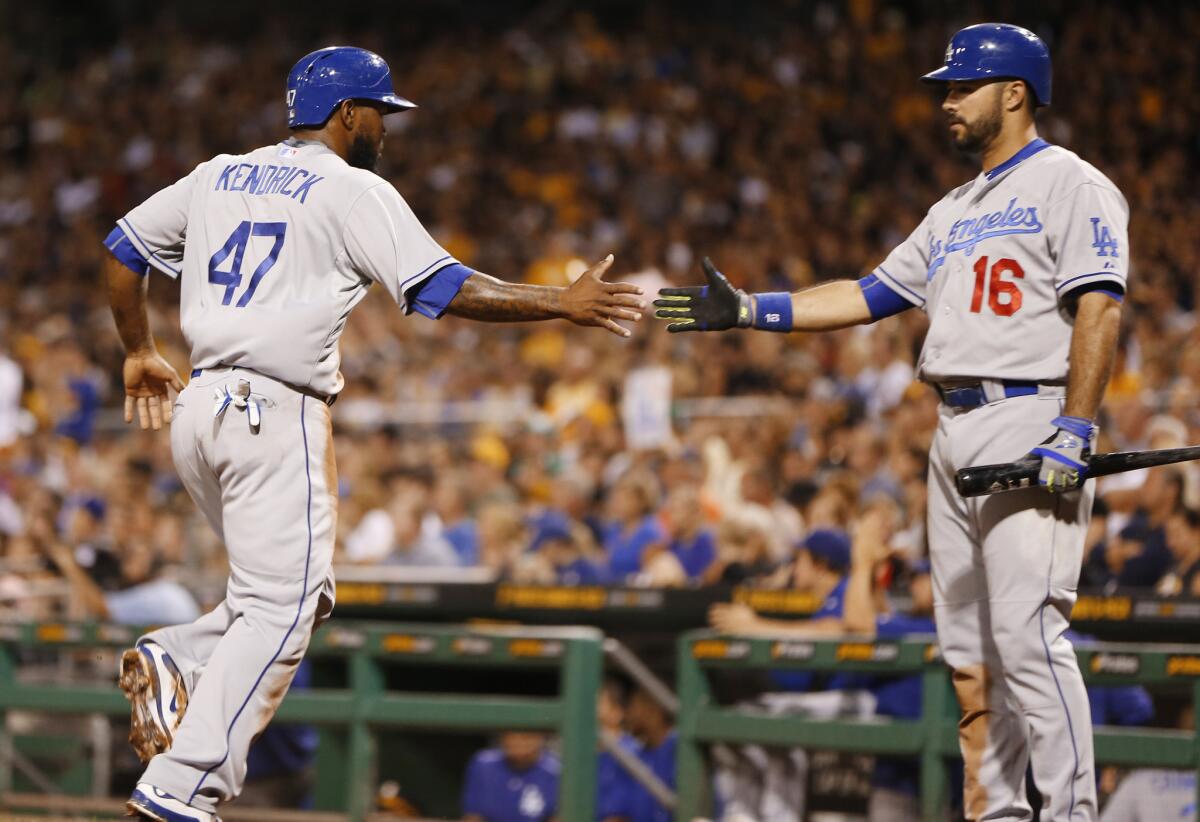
x=364 y=152
x=978 y=135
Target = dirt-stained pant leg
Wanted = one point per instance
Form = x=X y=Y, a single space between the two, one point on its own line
x=991 y=731
x=277 y=512
x=1029 y=546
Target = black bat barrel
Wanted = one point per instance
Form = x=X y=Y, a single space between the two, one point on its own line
x=979 y=480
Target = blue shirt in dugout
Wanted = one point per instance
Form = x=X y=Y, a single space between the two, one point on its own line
x=498 y=793
x=609 y=776
x=627 y=798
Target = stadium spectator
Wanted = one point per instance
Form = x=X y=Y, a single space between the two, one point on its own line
x=692 y=543
x=1183 y=541
x=517 y=781
x=744 y=549
x=634 y=533
x=561 y=554
x=604 y=135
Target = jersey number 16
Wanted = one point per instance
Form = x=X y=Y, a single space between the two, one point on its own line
x=997 y=288
x=236 y=246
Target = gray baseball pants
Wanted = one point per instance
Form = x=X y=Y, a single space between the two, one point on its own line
x=1005 y=570
x=270 y=492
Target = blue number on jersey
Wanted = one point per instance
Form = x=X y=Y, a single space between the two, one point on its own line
x=236 y=245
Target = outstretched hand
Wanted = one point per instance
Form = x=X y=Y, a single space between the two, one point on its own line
x=713 y=307
x=147 y=378
x=591 y=301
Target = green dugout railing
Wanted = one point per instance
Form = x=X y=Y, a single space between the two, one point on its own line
x=933 y=738
x=365 y=706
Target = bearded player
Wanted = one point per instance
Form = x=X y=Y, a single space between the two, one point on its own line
x=273 y=249
x=1022 y=272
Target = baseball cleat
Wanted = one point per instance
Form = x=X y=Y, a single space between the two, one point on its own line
x=158 y=698
x=149 y=802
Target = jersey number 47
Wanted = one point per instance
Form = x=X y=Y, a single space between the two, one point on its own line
x=235 y=247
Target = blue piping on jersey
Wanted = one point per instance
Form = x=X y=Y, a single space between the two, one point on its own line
x=1108 y=275
x=299 y=608
x=433 y=295
x=900 y=287
x=426 y=269
x=124 y=224
x=126 y=252
x=882 y=300
x=1031 y=148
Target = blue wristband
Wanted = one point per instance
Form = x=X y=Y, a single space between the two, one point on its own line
x=773 y=311
x=1078 y=426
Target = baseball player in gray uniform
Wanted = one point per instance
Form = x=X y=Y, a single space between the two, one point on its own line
x=1022 y=273
x=273 y=249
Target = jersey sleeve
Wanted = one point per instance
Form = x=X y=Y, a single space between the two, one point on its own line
x=387 y=244
x=158 y=227
x=907 y=268
x=1089 y=234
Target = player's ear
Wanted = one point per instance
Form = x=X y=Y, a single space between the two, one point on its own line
x=346 y=114
x=1016 y=95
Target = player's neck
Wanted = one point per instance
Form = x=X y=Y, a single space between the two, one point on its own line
x=1007 y=143
x=322 y=136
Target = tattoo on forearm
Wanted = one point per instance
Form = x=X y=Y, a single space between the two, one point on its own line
x=487 y=298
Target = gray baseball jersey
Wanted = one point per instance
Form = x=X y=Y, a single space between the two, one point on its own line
x=274 y=249
x=991 y=261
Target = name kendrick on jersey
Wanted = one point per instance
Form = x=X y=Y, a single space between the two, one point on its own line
x=251 y=178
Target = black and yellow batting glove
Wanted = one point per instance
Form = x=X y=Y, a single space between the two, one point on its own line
x=713 y=307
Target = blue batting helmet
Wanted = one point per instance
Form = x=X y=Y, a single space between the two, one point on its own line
x=322 y=80
x=994 y=51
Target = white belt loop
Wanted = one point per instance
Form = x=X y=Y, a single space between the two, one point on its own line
x=993 y=390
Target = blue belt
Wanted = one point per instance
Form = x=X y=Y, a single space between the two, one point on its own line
x=972 y=395
x=328 y=399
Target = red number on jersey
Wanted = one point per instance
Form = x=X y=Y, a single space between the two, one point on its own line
x=997 y=287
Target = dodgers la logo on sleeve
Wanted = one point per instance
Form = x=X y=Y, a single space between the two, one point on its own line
x=1103 y=240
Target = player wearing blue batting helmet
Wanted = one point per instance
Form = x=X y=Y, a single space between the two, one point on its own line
x=996 y=51
x=339 y=95
x=324 y=79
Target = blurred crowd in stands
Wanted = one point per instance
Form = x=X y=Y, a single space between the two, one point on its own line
x=791 y=142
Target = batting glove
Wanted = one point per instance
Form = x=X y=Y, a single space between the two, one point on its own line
x=713 y=307
x=1064 y=455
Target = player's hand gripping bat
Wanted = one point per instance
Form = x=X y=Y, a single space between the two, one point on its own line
x=981 y=480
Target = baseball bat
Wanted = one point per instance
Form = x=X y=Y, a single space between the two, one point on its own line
x=980 y=480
